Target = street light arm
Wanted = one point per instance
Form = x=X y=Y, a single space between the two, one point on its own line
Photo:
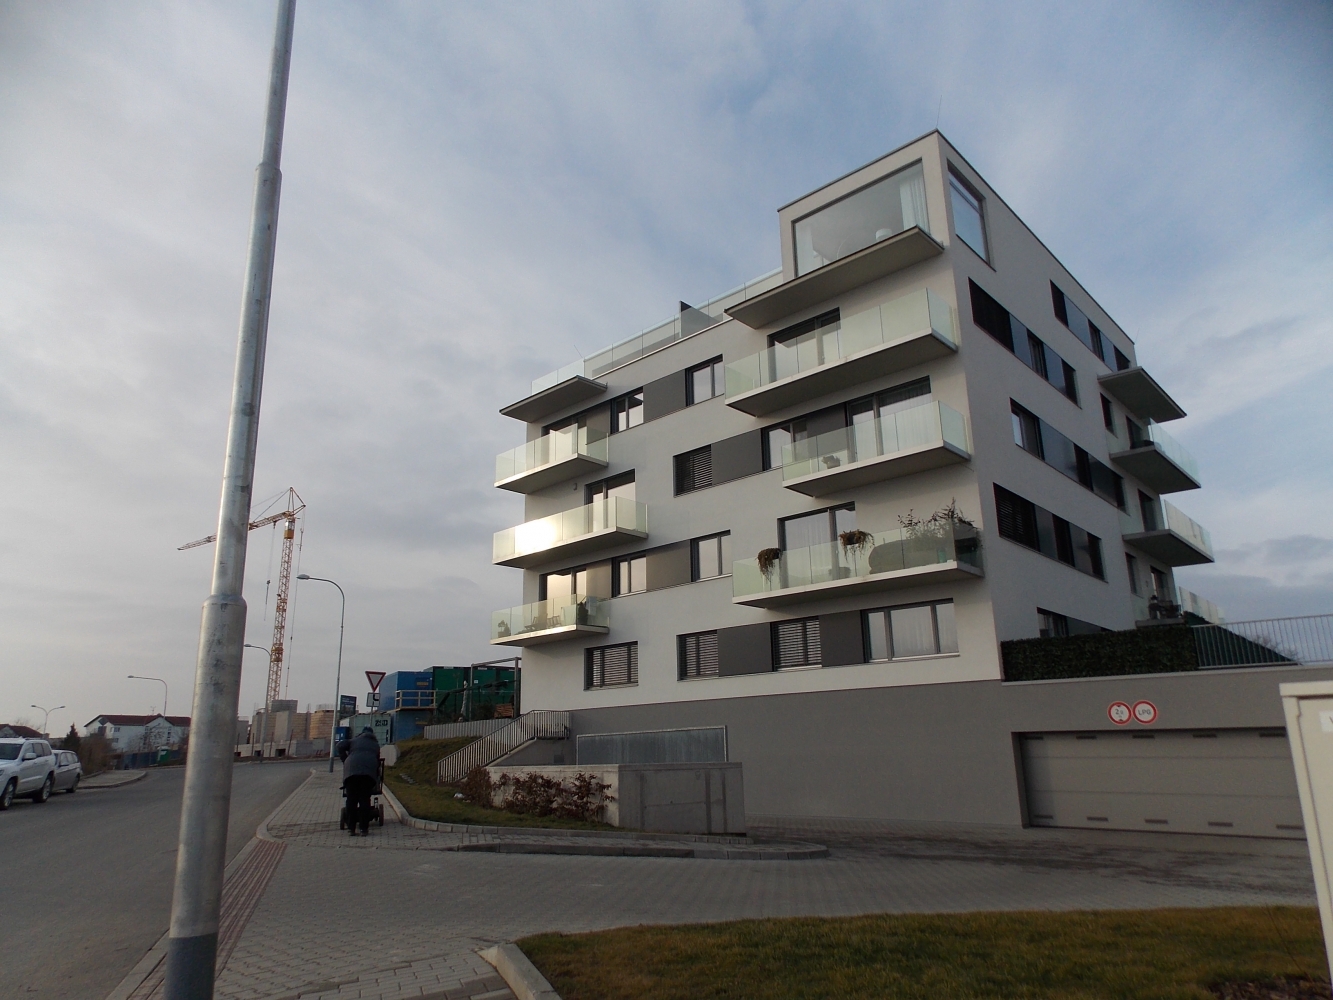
x=338 y=683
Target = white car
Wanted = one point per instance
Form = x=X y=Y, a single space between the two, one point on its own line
x=68 y=771
x=27 y=767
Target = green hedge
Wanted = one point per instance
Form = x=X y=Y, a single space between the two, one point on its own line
x=1156 y=650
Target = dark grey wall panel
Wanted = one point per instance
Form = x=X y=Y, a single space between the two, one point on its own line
x=666 y=395
x=734 y=457
x=840 y=639
x=669 y=565
x=745 y=649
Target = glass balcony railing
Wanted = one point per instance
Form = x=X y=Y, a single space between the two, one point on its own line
x=690 y=321
x=1169 y=447
x=921 y=312
x=569 y=526
x=1159 y=515
x=914 y=427
x=878 y=553
x=550 y=448
x=555 y=613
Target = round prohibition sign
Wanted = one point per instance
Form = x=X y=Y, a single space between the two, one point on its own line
x=1119 y=713
x=1145 y=712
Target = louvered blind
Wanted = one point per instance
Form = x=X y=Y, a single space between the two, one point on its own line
x=608 y=666
x=698 y=655
x=1017 y=517
x=694 y=470
x=796 y=643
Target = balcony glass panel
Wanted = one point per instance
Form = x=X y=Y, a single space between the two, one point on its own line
x=882 y=552
x=569 y=525
x=1188 y=529
x=1173 y=450
x=566 y=611
x=909 y=315
x=553 y=447
x=914 y=427
x=885 y=208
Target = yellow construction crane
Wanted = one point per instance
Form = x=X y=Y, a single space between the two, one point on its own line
x=294 y=506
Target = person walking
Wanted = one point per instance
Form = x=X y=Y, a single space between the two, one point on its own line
x=361 y=769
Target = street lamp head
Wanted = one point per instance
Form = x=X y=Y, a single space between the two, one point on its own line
x=303 y=576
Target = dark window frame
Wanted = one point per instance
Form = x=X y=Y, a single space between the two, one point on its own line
x=810 y=642
x=696 y=656
x=621 y=406
x=687 y=472
x=969 y=190
x=1025 y=523
x=830 y=511
x=591 y=666
x=888 y=618
x=601 y=489
x=695 y=560
x=716 y=376
x=989 y=316
x=617 y=563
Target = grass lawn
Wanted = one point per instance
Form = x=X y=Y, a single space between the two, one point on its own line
x=426 y=800
x=1141 y=954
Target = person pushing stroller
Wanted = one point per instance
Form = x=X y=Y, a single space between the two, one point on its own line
x=361 y=767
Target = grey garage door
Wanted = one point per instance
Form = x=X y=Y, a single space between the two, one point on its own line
x=1228 y=781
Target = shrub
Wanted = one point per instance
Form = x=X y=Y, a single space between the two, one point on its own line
x=1160 y=649
x=477 y=787
x=534 y=794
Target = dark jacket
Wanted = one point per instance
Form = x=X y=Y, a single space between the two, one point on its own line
x=360 y=756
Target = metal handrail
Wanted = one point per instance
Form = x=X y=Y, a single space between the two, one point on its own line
x=453 y=730
x=1270 y=641
x=528 y=726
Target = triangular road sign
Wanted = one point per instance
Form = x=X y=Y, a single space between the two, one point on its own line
x=375 y=677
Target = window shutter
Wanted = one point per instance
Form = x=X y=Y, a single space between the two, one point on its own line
x=608 y=666
x=698 y=655
x=1017 y=517
x=694 y=470
x=796 y=643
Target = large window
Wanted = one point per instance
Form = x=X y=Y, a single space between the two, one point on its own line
x=885 y=208
x=1035 y=435
x=796 y=643
x=616 y=486
x=710 y=557
x=968 y=220
x=629 y=575
x=1086 y=330
x=565 y=584
x=694 y=470
x=705 y=381
x=1022 y=521
x=1025 y=345
x=611 y=666
x=697 y=655
x=819 y=527
x=627 y=411
x=911 y=630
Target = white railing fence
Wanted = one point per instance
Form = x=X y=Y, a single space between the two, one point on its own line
x=494 y=745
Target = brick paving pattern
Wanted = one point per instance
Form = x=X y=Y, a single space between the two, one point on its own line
x=388 y=916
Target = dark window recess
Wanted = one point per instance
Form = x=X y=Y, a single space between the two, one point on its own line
x=611 y=666
x=1086 y=330
x=1121 y=362
x=705 y=381
x=1025 y=345
x=796 y=643
x=1132 y=568
x=1150 y=512
x=627 y=411
x=694 y=470
x=1035 y=435
x=1108 y=415
x=697 y=655
x=1022 y=521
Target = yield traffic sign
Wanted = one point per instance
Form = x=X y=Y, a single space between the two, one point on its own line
x=375 y=676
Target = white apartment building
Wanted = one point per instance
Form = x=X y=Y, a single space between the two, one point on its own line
x=138 y=733
x=799 y=521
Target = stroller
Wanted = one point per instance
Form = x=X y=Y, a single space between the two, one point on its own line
x=376 y=802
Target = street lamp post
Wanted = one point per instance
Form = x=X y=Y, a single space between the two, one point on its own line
x=165 y=691
x=47 y=716
x=338 y=683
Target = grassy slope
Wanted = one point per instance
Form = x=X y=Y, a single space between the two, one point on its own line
x=426 y=800
x=1147 y=954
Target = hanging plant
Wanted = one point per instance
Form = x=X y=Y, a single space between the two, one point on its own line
x=855 y=540
x=768 y=560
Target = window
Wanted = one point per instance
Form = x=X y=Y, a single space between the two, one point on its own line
x=1132 y=566
x=1051 y=624
x=629 y=575
x=710 y=557
x=627 y=411
x=1108 y=415
x=1160 y=587
x=1086 y=331
x=1022 y=521
x=705 y=382
x=694 y=470
x=796 y=643
x=912 y=630
x=616 y=486
x=611 y=666
x=1027 y=429
x=777 y=438
x=1016 y=338
x=697 y=655
x=1150 y=512
x=821 y=527
x=555 y=586
x=1035 y=435
x=862 y=414
x=968 y=223
x=885 y=208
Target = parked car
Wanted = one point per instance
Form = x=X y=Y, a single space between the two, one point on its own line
x=27 y=767
x=68 y=771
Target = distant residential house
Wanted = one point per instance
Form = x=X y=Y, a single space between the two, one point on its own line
x=135 y=733
x=15 y=731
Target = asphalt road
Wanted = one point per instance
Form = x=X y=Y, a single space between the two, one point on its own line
x=86 y=879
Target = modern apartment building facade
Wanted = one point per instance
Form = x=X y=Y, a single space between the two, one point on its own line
x=807 y=514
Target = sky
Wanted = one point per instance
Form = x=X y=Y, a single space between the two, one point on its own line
x=477 y=194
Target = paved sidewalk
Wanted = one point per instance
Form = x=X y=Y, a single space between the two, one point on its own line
x=382 y=918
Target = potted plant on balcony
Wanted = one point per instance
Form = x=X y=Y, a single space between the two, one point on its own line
x=768 y=560
x=581 y=612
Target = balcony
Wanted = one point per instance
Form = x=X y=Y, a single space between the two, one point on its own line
x=1170 y=537
x=888 y=560
x=928 y=436
x=1159 y=461
x=558 y=391
x=900 y=334
x=599 y=525
x=550 y=621
x=1139 y=393
x=550 y=459
x=876 y=261
x=414 y=698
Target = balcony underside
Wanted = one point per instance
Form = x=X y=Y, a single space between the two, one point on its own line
x=885 y=359
x=915 y=576
x=1168 y=548
x=1140 y=394
x=853 y=271
x=1149 y=465
x=876 y=470
x=558 y=633
x=558 y=397
x=592 y=542
x=560 y=471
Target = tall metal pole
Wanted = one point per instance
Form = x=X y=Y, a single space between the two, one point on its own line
x=192 y=945
x=166 y=692
x=338 y=683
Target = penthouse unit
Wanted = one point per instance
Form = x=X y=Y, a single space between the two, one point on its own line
x=809 y=512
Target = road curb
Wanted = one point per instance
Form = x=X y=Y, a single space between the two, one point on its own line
x=518 y=971
x=261 y=831
x=85 y=787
